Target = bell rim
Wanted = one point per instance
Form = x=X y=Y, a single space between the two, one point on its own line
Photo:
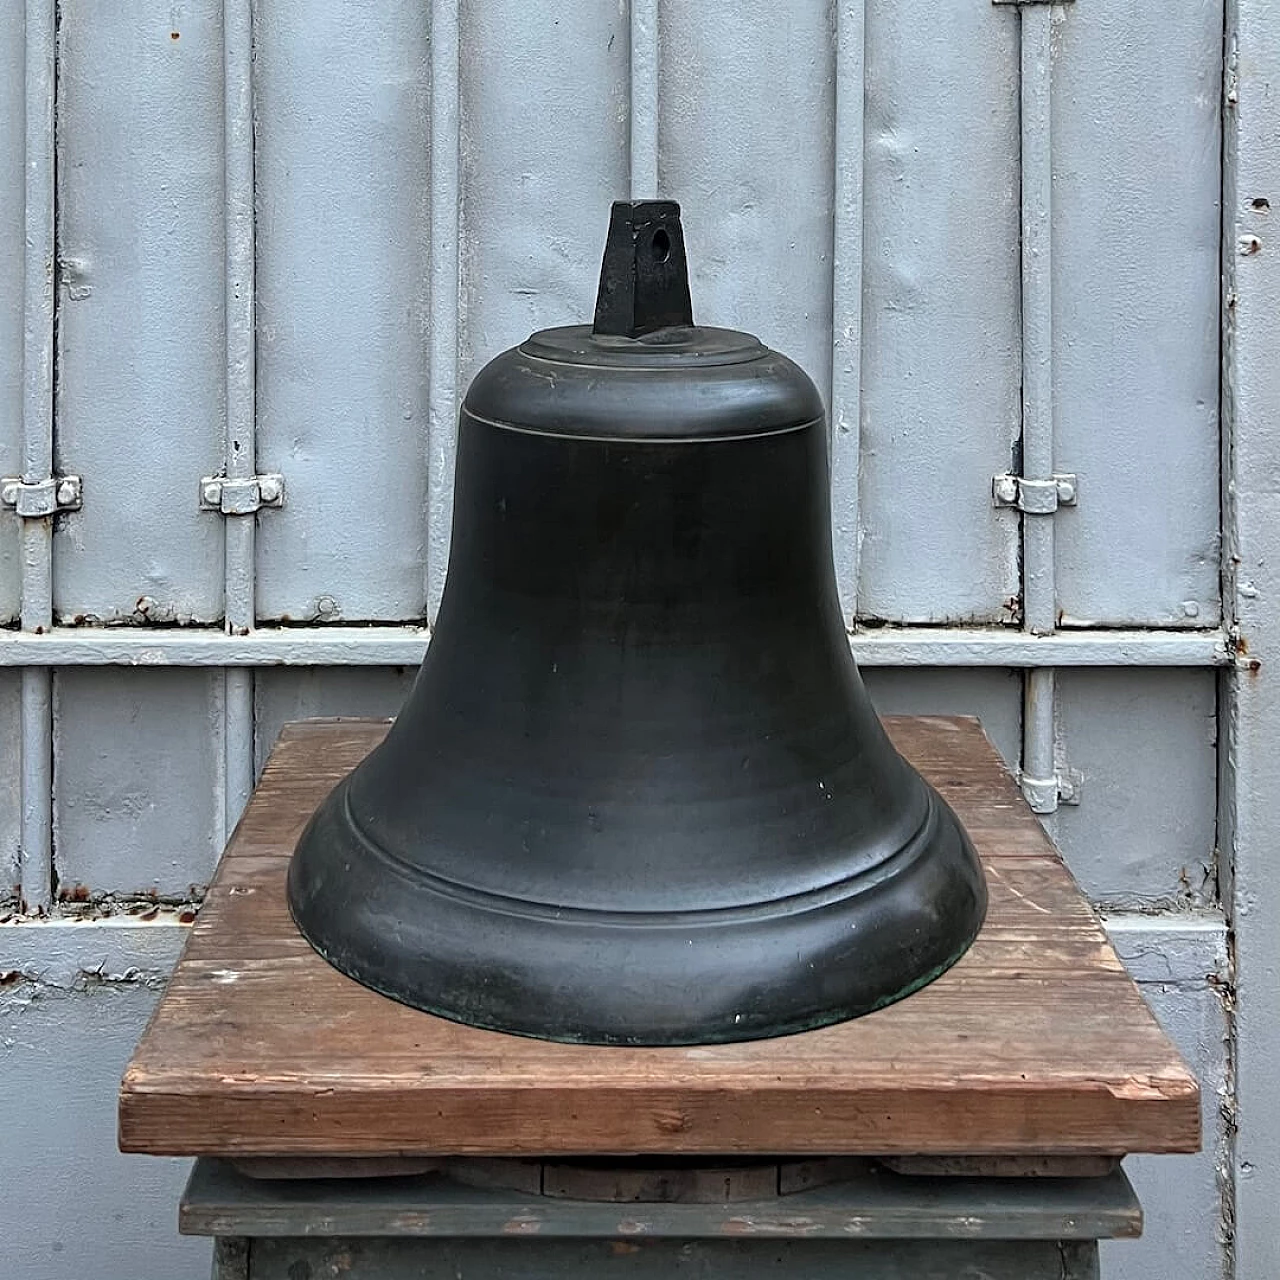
x=702 y=1036
x=941 y=896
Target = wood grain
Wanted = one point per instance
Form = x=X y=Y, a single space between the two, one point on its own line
x=1036 y=1042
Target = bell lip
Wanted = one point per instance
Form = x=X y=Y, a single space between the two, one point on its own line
x=715 y=1035
x=717 y=956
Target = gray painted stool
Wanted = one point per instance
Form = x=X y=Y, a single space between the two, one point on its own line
x=873 y=1225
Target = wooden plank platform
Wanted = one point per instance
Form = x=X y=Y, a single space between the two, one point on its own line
x=1036 y=1042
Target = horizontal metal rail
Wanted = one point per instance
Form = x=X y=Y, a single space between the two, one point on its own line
x=397 y=646
x=68 y=951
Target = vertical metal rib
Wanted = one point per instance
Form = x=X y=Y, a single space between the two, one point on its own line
x=444 y=285
x=37 y=451
x=1249 y=762
x=240 y=443
x=36 y=847
x=644 y=99
x=846 y=295
x=1039 y=762
x=1039 y=591
x=1039 y=595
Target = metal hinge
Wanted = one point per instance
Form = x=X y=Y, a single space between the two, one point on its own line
x=241 y=497
x=1035 y=497
x=1044 y=795
x=34 y=501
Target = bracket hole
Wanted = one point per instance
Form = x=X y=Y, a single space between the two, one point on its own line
x=661 y=245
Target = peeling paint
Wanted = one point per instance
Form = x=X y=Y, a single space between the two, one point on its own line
x=71 y=955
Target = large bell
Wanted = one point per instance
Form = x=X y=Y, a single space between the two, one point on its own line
x=638 y=794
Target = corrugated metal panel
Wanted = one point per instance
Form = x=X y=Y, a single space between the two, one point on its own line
x=1138 y=171
x=282 y=696
x=754 y=170
x=10 y=771
x=1145 y=741
x=1182 y=969
x=994 y=696
x=140 y=382
x=544 y=128
x=75 y=1206
x=12 y=117
x=343 y=220
x=383 y=131
x=941 y=340
x=1250 y=805
x=139 y=755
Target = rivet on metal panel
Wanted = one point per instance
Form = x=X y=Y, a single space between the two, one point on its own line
x=241 y=497
x=43 y=498
x=1034 y=497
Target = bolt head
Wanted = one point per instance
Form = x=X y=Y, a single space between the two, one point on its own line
x=269 y=489
x=9 y=495
x=1005 y=488
x=68 y=493
x=212 y=494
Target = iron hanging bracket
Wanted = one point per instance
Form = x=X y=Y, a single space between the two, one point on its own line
x=41 y=498
x=241 y=497
x=1034 y=497
x=644 y=278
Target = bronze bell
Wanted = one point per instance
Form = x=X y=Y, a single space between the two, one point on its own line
x=638 y=794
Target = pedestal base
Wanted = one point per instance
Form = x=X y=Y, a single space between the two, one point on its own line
x=874 y=1225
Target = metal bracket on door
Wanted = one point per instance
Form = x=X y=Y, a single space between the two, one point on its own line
x=35 y=500
x=1034 y=497
x=1044 y=795
x=241 y=497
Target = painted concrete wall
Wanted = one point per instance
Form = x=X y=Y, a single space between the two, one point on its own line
x=430 y=183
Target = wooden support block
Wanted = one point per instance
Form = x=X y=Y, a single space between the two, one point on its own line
x=1001 y=1166
x=869 y=1206
x=1036 y=1043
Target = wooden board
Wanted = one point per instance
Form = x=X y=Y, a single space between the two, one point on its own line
x=1036 y=1042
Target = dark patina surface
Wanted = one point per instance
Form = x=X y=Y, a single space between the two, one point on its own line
x=638 y=794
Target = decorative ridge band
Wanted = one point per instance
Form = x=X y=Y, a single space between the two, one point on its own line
x=639 y=439
x=837 y=891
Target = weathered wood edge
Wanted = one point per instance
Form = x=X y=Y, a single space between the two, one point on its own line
x=647 y=1121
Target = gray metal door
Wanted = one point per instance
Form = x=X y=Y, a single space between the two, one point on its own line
x=264 y=247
